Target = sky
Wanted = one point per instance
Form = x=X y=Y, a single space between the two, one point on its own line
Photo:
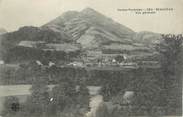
x=17 y=13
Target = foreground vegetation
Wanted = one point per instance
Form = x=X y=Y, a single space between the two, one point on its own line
x=157 y=91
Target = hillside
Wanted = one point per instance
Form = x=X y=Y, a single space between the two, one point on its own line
x=18 y=42
x=90 y=28
x=87 y=30
x=148 y=38
x=2 y=31
x=29 y=33
x=94 y=31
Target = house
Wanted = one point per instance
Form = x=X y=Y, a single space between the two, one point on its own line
x=113 y=60
x=39 y=62
x=51 y=63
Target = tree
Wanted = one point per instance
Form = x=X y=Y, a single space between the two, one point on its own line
x=171 y=63
x=83 y=96
x=112 y=85
x=8 y=76
x=64 y=96
x=11 y=106
x=119 y=58
x=38 y=102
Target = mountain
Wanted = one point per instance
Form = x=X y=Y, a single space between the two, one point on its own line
x=147 y=37
x=20 y=41
x=29 y=33
x=96 y=32
x=90 y=28
x=2 y=31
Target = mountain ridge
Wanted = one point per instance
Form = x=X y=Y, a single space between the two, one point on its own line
x=89 y=23
x=88 y=28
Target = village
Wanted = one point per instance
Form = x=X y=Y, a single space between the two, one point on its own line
x=102 y=61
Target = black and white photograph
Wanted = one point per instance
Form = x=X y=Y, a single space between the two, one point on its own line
x=91 y=58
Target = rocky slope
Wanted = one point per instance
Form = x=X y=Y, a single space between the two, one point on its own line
x=94 y=31
x=90 y=28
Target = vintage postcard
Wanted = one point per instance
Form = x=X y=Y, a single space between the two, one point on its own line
x=91 y=58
